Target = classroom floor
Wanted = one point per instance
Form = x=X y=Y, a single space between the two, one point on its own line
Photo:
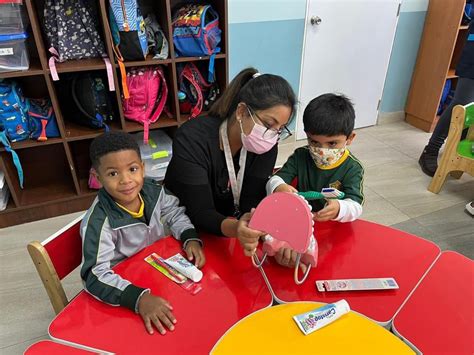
x=395 y=191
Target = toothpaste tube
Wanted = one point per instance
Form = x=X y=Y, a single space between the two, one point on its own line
x=316 y=319
x=384 y=283
x=186 y=268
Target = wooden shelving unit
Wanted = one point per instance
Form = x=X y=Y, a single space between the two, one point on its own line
x=443 y=39
x=56 y=171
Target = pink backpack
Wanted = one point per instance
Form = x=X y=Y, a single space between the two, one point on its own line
x=148 y=94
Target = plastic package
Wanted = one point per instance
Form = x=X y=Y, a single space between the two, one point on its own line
x=13 y=52
x=13 y=19
x=156 y=154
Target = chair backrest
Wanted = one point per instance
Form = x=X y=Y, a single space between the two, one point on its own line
x=55 y=258
x=465 y=147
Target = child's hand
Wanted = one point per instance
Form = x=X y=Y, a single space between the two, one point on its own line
x=194 y=252
x=330 y=211
x=287 y=257
x=156 y=310
x=248 y=237
x=285 y=188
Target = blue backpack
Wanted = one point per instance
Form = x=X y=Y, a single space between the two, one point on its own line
x=196 y=30
x=13 y=112
x=42 y=120
x=13 y=120
x=16 y=161
x=128 y=30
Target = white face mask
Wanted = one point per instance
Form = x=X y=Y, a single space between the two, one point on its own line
x=324 y=157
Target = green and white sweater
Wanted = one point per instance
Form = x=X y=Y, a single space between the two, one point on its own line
x=110 y=234
x=347 y=175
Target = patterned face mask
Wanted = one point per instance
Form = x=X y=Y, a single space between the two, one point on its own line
x=324 y=157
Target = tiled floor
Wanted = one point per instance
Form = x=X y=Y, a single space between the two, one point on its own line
x=395 y=191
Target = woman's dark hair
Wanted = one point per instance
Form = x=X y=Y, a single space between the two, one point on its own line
x=260 y=93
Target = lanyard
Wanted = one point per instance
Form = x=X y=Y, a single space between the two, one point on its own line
x=235 y=181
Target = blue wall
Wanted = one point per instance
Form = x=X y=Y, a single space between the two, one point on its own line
x=268 y=35
x=404 y=53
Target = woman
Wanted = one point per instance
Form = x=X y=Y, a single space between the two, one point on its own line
x=463 y=95
x=221 y=162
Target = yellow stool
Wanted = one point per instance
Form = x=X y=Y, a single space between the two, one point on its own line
x=273 y=331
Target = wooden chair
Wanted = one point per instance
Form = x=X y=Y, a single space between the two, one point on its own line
x=57 y=257
x=458 y=156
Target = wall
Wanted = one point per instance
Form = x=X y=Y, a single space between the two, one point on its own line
x=404 y=53
x=268 y=34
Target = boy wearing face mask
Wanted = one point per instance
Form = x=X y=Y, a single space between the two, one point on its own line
x=326 y=162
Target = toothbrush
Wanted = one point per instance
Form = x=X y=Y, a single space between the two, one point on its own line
x=327 y=192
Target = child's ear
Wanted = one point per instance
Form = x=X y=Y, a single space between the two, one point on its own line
x=95 y=174
x=350 y=138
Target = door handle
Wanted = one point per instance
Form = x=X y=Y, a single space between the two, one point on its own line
x=315 y=20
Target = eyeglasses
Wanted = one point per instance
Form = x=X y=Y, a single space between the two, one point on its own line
x=270 y=133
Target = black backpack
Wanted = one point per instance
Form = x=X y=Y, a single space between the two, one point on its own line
x=71 y=28
x=86 y=100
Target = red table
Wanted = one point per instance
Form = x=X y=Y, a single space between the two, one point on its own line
x=359 y=249
x=439 y=316
x=52 y=348
x=232 y=289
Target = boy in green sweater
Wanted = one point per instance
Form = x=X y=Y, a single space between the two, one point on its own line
x=325 y=162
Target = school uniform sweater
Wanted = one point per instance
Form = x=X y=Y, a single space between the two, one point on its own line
x=110 y=234
x=347 y=176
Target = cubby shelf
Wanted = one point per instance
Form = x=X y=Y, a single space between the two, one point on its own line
x=56 y=171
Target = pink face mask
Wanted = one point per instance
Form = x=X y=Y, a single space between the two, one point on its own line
x=257 y=142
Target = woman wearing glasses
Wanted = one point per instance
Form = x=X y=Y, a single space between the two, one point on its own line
x=222 y=161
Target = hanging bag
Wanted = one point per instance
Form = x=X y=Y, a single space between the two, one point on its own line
x=42 y=120
x=72 y=32
x=13 y=111
x=200 y=94
x=148 y=95
x=127 y=28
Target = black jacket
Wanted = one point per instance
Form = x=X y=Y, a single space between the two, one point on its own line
x=465 y=67
x=198 y=175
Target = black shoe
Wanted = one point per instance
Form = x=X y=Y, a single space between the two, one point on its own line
x=428 y=162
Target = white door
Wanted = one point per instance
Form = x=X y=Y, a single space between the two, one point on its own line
x=347 y=46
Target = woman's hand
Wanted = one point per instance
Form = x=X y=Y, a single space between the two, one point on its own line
x=248 y=237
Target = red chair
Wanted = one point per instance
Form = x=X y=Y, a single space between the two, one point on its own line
x=57 y=257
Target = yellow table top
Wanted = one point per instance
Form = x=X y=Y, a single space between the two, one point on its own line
x=273 y=331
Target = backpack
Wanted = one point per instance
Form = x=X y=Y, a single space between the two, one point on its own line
x=444 y=96
x=16 y=161
x=86 y=100
x=200 y=94
x=13 y=111
x=196 y=30
x=72 y=32
x=128 y=29
x=128 y=33
x=148 y=95
x=42 y=120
